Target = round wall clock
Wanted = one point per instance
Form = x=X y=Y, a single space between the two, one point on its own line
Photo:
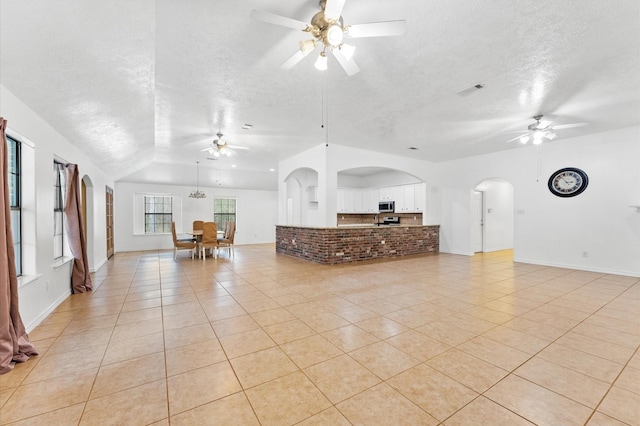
x=568 y=182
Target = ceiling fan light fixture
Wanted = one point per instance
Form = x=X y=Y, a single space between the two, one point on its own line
x=347 y=51
x=334 y=35
x=524 y=139
x=550 y=135
x=307 y=46
x=216 y=153
x=537 y=137
x=321 y=62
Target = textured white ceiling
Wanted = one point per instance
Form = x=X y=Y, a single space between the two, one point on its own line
x=142 y=86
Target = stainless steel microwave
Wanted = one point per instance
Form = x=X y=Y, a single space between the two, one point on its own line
x=386 y=206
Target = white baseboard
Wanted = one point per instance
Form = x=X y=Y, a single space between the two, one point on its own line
x=36 y=322
x=578 y=267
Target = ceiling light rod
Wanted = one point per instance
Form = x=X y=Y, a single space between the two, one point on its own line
x=197 y=193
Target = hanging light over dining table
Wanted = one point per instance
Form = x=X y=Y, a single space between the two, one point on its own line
x=197 y=193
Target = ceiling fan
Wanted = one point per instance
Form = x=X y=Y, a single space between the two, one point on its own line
x=327 y=28
x=221 y=147
x=542 y=129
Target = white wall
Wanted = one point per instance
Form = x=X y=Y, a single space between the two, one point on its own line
x=255 y=214
x=550 y=230
x=43 y=285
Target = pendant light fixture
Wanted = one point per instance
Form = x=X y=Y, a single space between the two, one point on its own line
x=197 y=193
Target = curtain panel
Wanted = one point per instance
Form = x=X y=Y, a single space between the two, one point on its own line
x=14 y=341
x=80 y=276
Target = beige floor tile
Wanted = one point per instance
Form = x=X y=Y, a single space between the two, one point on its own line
x=128 y=374
x=467 y=369
x=446 y=332
x=330 y=416
x=231 y=410
x=288 y=331
x=62 y=364
x=74 y=342
x=597 y=347
x=198 y=387
x=69 y=416
x=259 y=305
x=247 y=342
x=341 y=378
x=310 y=350
x=582 y=362
x=136 y=329
x=495 y=353
x=608 y=335
x=483 y=411
x=418 y=345
x=533 y=328
x=516 y=339
x=286 y=400
x=181 y=308
x=349 y=338
x=382 y=327
x=324 y=321
x=272 y=316
x=576 y=386
x=174 y=322
x=141 y=315
x=599 y=419
x=229 y=326
x=194 y=356
x=383 y=359
x=259 y=367
x=188 y=335
x=437 y=394
x=46 y=396
x=537 y=404
x=355 y=313
x=20 y=371
x=121 y=350
x=630 y=380
x=622 y=405
x=140 y=405
x=382 y=405
x=216 y=313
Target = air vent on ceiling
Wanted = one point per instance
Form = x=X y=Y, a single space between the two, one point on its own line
x=470 y=90
x=413 y=148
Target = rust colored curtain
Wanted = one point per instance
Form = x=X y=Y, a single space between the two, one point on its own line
x=14 y=341
x=80 y=277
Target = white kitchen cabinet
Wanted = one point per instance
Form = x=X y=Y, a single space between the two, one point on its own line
x=399 y=198
x=420 y=197
x=386 y=194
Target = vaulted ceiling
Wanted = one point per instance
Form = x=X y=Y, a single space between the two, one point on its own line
x=143 y=86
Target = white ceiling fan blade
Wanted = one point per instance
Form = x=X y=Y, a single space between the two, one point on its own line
x=278 y=20
x=294 y=59
x=377 y=29
x=570 y=126
x=333 y=9
x=238 y=147
x=515 y=139
x=348 y=65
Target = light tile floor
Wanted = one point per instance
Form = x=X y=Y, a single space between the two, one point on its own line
x=267 y=339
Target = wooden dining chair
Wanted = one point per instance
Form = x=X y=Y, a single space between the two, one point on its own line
x=209 y=239
x=197 y=226
x=181 y=244
x=227 y=238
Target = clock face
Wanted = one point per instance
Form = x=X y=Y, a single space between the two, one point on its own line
x=568 y=182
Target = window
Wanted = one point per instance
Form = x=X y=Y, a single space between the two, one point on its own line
x=157 y=214
x=58 y=211
x=224 y=210
x=15 y=200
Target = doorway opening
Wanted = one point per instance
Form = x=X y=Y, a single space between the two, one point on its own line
x=493 y=216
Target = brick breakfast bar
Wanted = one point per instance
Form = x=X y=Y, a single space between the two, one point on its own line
x=347 y=244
